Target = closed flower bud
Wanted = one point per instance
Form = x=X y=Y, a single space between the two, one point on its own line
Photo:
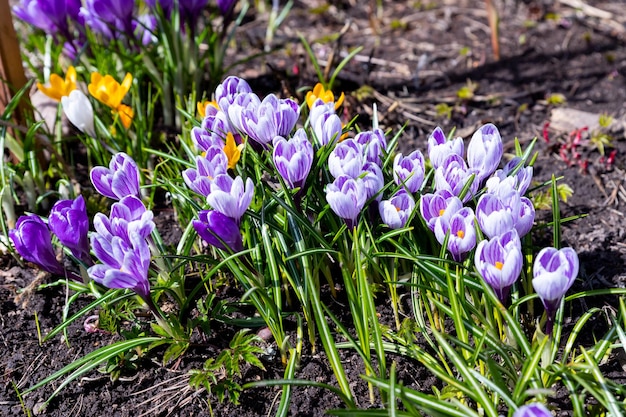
x=33 y=242
x=79 y=111
x=409 y=171
x=484 y=151
x=69 y=222
x=293 y=158
x=439 y=148
x=346 y=197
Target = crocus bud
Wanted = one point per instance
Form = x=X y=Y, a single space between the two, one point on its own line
x=219 y=230
x=439 y=148
x=396 y=211
x=373 y=180
x=33 y=242
x=293 y=158
x=346 y=197
x=554 y=272
x=325 y=124
x=409 y=171
x=69 y=222
x=533 y=410
x=230 y=197
x=484 y=151
x=79 y=111
x=460 y=227
x=119 y=180
x=499 y=261
x=373 y=144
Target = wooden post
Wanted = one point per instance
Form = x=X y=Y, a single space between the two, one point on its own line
x=12 y=76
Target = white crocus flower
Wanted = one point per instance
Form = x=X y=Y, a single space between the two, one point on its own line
x=79 y=111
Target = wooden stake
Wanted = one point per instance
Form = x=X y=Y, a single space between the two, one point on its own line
x=12 y=76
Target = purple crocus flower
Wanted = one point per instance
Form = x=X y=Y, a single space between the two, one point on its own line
x=373 y=180
x=439 y=148
x=499 y=261
x=409 y=171
x=453 y=174
x=230 y=197
x=208 y=167
x=499 y=214
x=493 y=217
x=325 y=124
x=293 y=158
x=128 y=217
x=33 y=242
x=396 y=211
x=166 y=5
x=263 y=121
x=124 y=265
x=504 y=178
x=554 y=272
x=51 y=16
x=532 y=410
x=484 y=151
x=191 y=10
x=460 y=227
x=213 y=131
x=69 y=222
x=226 y=6
x=144 y=28
x=219 y=230
x=109 y=17
x=373 y=144
x=346 y=197
x=441 y=203
x=226 y=92
x=119 y=180
x=346 y=159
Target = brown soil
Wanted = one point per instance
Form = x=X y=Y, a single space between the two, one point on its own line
x=416 y=56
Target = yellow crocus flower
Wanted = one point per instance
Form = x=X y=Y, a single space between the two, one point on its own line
x=327 y=96
x=58 y=87
x=232 y=150
x=108 y=91
x=126 y=114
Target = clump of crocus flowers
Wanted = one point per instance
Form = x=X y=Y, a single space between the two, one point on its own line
x=120 y=242
x=468 y=205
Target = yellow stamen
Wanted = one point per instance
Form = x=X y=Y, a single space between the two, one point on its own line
x=499 y=265
x=441 y=212
x=460 y=234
